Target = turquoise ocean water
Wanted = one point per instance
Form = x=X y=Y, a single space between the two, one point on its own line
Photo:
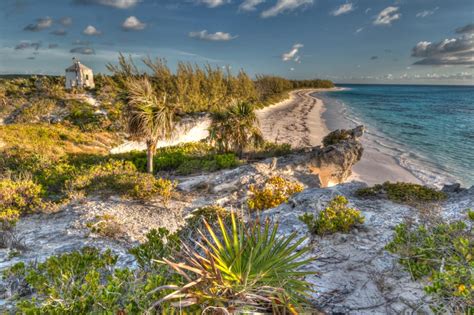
x=428 y=129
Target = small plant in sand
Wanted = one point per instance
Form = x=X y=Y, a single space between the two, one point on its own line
x=106 y=225
x=336 y=217
x=470 y=214
x=274 y=192
x=443 y=255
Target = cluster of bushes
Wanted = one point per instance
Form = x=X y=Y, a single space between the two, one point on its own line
x=183 y=159
x=442 y=255
x=238 y=266
x=30 y=99
x=18 y=197
x=84 y=116
x=336 y=217
x=275 y=191
x=408 y=193
x=120 y=177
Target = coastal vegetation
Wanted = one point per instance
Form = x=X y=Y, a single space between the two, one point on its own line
x=336 y=217
x=264 y=275
x=55 y=148
x=275 y=191
x=442 y=256
x=408 y=193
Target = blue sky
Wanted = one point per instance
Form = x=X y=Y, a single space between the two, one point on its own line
x=404 y=41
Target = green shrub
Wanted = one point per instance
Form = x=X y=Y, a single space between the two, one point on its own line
x=244 y=265
x=407 y=193
x=33 y=112
x=159 y=244
x=470 y=214
x=270 y=149
x=195 y=225
x=336 y=217
x=86 y=282
x=53 y=141
x=18 y=198
x=24 y=195
x=120 y=177
x=183 y=159
x=83 y=116
x=443 y=255
x=336 y=136
x=274 y=192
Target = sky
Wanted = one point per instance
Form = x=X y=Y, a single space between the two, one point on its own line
x=363 y=41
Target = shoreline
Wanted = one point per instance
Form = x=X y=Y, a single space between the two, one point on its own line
x=375 y=167
x=303 y=120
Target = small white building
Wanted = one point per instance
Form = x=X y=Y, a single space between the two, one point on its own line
x=79 y=76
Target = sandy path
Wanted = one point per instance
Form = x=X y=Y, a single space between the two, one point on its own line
x=296 y=121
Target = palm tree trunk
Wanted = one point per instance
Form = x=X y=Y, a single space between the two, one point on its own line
x=150 y=152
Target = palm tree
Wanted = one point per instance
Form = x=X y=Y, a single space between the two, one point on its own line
x=235 y=129
x=151 y=116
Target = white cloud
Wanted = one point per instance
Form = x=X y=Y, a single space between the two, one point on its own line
x=213 y=3
x=368 y=10
x=285 y=5
x=449 y=51
x=249 y=5
x=292 y=54
x=91 y=31
x=343 y=9
x=387 y=16
x=360 y=29
x=217 y=36
x=133 y=24
x=292 y=69
x=40 y=24
x=119 y=4
x=426 y=13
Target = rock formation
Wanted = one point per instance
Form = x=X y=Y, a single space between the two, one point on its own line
x=333 y=163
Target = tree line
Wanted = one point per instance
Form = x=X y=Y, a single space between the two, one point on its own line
x=154 y=100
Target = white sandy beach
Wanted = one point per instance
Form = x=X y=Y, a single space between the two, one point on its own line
x=299 y=122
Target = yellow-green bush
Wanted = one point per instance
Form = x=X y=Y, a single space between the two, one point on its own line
x=274 y=192
x=336 y=217
x=18 y=198
x=120 y=177
x=408 y=193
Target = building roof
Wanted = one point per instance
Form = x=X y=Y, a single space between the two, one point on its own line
x=77 y=66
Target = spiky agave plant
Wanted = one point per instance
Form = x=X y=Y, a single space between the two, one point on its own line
x=241 y=267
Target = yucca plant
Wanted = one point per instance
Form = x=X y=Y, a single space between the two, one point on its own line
x=242 y=267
